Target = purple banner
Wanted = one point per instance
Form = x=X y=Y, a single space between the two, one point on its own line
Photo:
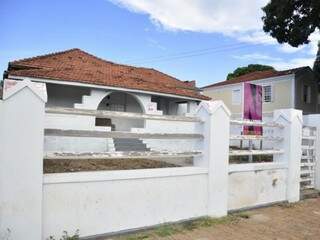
x=252 y=108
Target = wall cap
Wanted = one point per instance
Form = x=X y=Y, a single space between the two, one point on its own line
x=212 y=106
x=11 y=87
x=288 y=115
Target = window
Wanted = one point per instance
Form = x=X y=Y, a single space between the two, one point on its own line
x=267 y=93
x=236 y=96
x=306 y=94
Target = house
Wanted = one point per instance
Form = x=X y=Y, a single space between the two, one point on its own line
x=77 y=79
x=293 y=88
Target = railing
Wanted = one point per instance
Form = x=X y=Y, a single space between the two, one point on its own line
x=128 y=115
x=252 y=152
x=308 y=158
x=121 y=134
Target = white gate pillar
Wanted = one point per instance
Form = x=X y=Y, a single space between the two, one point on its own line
x=291 y=144
x=216 y=127
x=21 y=159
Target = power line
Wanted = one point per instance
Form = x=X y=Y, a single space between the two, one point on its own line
x=193 y=53
x=181 y=53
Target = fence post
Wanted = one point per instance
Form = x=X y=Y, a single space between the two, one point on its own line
x=291 y=144
x=216 y=127
x=21 y=159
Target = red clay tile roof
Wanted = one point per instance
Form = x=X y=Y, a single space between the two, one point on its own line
x=75 y=65
x=256 y=76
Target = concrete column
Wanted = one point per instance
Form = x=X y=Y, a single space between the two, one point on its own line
x=216 y=128
x=291 y=144
x=21 y=159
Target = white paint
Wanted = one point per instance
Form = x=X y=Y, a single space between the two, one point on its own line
x=21 y=141
x=253 y=187
x=291 y=145
x=105 y=202
x=216 y=127
x=313 y=120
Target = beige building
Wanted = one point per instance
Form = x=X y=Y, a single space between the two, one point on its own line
x=294 y=88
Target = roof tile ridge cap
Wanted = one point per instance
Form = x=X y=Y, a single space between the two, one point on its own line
x=45 y=55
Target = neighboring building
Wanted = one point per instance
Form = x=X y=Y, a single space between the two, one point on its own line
x=76 y=79
x=294 y=88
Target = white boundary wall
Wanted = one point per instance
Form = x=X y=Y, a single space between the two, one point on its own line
x=114 y=201
x=97 y=203
x=256 y=184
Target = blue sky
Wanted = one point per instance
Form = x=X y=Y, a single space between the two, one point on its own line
x=192 y=40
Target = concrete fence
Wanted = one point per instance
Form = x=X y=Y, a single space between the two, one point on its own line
x=37 y=205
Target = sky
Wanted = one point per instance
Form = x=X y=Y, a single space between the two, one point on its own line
x=199 y=40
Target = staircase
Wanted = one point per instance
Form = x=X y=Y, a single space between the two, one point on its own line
x=129 y=144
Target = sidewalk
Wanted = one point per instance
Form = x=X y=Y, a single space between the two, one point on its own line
x=299 y=221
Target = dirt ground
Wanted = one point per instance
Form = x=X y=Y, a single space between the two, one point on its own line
x=59 y=166
x=300 y=221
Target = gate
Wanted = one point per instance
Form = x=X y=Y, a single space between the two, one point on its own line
x=308 y=158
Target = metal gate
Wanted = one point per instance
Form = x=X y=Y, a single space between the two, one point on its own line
x=308 y=158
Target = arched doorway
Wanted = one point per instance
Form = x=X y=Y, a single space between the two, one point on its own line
x=120 y=102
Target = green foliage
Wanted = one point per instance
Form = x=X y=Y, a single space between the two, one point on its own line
x=291 y=21
x=66 y=236
x=248 y=69
x=167 y=230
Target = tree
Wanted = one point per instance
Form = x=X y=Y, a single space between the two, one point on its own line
x=316 y=65
x=291 y=21
x=248 y=69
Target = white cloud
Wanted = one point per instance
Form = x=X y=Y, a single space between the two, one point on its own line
x=221 y=16
x=293 y=63
x=257 y=57
x=239 y=19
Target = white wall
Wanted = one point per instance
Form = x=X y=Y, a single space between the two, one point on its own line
x=21 y=158
x=182 y=145
x=104 y=202
x=253 y=185
x=73 y=144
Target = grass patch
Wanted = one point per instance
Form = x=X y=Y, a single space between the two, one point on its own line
x=171 y=229
x=139 y=237
x=167 y=230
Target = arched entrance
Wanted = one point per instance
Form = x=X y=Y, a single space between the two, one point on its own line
x=120 y=102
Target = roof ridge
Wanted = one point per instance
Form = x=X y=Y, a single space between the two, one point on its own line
x=46 y=55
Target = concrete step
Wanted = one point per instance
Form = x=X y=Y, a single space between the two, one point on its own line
x=130 y=144
x=309 y=193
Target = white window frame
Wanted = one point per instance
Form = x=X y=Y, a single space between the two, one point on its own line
x=236 y=99
x=271 y=93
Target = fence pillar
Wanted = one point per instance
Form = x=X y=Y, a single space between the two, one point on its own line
x=216 y=129
x=291 y=144
x=21 y=159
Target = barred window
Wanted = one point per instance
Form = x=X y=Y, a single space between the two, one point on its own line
x=267 y=93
